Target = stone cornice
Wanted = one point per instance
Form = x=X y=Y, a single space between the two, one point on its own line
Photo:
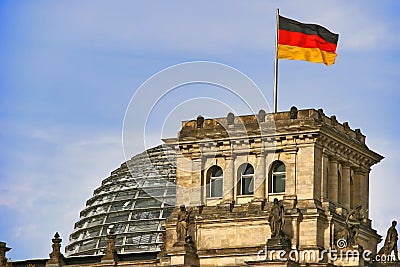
x=346 y=149
x=251 y=134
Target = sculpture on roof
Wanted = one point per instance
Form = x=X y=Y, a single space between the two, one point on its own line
x=391 y=242
x=353 y=221
x=182 y=224
x=276 y=218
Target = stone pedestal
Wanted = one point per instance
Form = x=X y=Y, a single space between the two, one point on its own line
x=256 y=205
x=350 y=256
x=226 y=206
x=180 y=255
x=278 y=243
x=275 y=243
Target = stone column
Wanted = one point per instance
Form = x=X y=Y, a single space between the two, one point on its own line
x=229 y=180
x=196 y=186
x=346 y=186
x=333 y=181
x=295 y=228
x=365 y=192
x=183 y=180
x=324 y=177
x=268 y=158
x=291 y=173
x=357 y=187
x=260 y=179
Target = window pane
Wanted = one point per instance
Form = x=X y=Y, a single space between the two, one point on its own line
x=119 y=206
x=92 y=232
x=134 y=240
x=96 y=221
x=216 y=172
x=166 y=213
x=247 y=185
x=145 y=239
x=147 y=203
x=90 y=244
x=117 y=218
x=125 y=195
x=280 y=168
x=216 y=187
x=278 y=183
x=248 y=170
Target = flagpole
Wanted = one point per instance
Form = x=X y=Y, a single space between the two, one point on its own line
x=276 y=63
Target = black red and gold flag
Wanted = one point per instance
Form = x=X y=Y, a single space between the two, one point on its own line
x=310 y=42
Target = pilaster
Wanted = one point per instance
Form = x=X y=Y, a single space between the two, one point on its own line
x=365 y=192
x=333 y=180
x=324 y=177
x=229 y=180
x=260 y=179
x=196 y=187
x=357 y=186
x=346 y=186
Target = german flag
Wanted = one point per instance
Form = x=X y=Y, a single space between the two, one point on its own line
x=311 y=42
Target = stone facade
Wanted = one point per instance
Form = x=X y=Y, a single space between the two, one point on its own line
x=229 y=173
x=327 y=167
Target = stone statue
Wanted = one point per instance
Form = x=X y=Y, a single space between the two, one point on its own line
x=293 y=113
x=261 y=115
x=230 y=118
x=321 y=115
x=353 y=221
x=391 y=242
x=200 y=121
x=189 y=244
x=182 y=224
x=276 y=218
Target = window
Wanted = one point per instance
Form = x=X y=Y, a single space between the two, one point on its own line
x=246 y=182
x=214 y=183
x=117 y=217
x=277 y=177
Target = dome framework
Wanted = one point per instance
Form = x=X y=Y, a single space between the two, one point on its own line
x=134 y=200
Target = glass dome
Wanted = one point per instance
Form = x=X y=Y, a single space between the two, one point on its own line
x=134 y=200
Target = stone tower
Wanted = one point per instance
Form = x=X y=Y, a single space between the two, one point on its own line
x=230 y=170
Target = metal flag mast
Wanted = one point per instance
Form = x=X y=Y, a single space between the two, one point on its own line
x=276 y=63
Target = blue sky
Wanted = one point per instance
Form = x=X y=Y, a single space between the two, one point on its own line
x=69 y=69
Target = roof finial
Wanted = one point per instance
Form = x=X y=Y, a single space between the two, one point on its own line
x=3 y=250
x=111 y=251
x=56 y=257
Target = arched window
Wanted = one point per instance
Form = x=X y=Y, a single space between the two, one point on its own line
x=246 y=179
x=214 y=181
x=277 y=177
